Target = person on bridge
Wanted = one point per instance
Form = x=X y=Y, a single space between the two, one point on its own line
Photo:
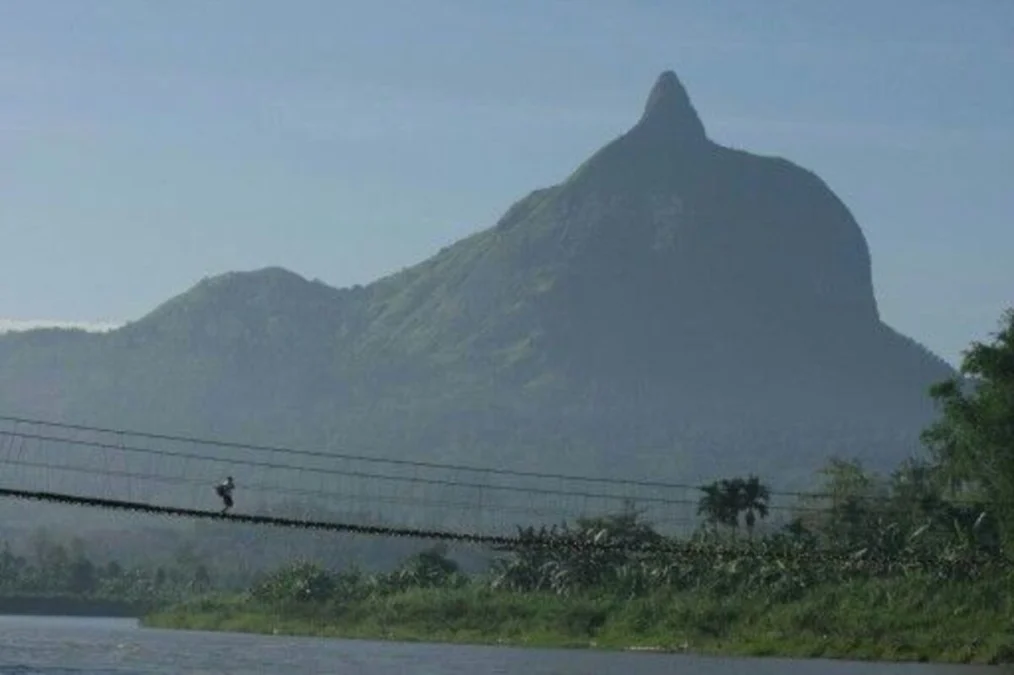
x=224 y=490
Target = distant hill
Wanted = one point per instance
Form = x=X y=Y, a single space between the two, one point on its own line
x=673 y=309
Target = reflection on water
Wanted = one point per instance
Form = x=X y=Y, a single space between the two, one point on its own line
x=57 y=645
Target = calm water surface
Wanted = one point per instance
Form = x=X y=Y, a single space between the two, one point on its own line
x=73 y=646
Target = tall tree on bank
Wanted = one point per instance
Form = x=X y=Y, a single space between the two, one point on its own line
x=973 y=441
x=753 y=501
x=723 y=501
x=718 y=504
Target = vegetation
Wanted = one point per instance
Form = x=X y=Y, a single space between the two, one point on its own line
x=926 y=594
x=52 y=570
x=911 y=566
x=904 y=619
x=973 y=442
x=725 y=500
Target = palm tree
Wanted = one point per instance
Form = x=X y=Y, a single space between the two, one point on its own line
x=718 y=504
x=752 y=499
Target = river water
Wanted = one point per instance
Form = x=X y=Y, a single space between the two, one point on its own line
x=76 y=646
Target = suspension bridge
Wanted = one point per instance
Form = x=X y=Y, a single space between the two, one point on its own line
x=129 y=470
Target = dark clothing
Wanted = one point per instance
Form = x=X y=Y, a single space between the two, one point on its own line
x=226 y=497
x=224 y=491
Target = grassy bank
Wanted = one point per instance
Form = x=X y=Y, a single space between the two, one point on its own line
x=918 y=619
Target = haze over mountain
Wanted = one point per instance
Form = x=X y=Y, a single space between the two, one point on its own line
x=674 y=309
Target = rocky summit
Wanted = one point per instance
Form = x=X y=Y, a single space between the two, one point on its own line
x=674 y=309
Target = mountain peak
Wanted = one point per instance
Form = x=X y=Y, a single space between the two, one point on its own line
x=669 y=110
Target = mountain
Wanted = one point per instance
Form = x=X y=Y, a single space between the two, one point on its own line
x=673 y=309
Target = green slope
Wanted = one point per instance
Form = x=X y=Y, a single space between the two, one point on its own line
x=673 y=309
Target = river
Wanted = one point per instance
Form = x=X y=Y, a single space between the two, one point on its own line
x=78 y=646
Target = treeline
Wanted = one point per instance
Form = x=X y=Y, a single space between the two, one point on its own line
x=896 y=528
x=52 y=568
x=947 y=518
x=132 y=558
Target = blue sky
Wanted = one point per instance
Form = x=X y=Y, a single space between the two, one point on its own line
x=145 y=144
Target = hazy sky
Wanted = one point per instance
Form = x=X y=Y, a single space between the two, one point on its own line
x=145 y=144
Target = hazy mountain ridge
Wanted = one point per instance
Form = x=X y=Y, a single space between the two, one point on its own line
x=674 y=308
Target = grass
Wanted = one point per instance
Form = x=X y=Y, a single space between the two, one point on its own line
x=885 y=619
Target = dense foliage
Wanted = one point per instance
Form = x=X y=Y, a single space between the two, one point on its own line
x=902 y=526
x=973 y=441
x=53 y=568
x=886 y=568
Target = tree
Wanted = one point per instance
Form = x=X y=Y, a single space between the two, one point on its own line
x=83 y=578
x=849 y=502
x=12 y=567
x=847 y=481
x=973 y=440
x=718 y=504
x=723 y=502
x=202 y=579
x=300 y=581
x=917 y=497
x=430 y=567
x=752 y=499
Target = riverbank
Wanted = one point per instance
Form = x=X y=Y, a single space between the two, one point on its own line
x=69 y=605
x=890 y=619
